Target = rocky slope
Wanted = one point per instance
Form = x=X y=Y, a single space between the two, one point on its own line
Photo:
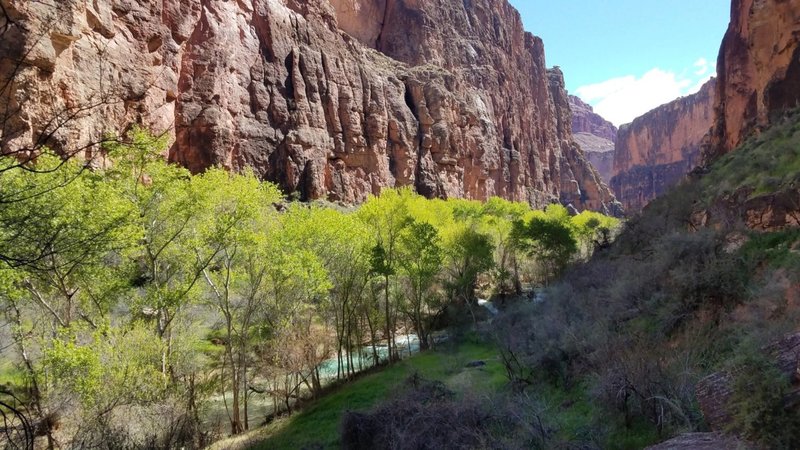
x=595 y=135
x=659 y=148
x=331 y=99
x=759 y=71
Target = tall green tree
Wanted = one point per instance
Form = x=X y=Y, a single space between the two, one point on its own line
x=239 y=209
x=421 y=258
x=66 y=262
x=172 y=252
x=469 y=254
x=497 y=220
x=387 y=215
x=548 y=238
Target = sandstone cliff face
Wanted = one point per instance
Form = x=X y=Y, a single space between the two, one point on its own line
x=580 y=182
x=759 y=70
x=595 y=135
x=658 y=149
x=332 y=99
x=585 y=120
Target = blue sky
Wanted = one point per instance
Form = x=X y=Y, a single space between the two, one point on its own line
x=626 y=57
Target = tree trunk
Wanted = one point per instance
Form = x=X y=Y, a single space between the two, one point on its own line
x=236 y=421
x=36 y=393
x=372 y=339
x=388 y=320
x=246 y=395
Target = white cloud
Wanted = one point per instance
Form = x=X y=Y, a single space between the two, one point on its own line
x=622 y=99
x=701 y=82
x=701 y=67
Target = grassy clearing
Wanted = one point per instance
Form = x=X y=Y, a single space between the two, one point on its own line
x=10 y=375
x=319 y=423
x=577 y=418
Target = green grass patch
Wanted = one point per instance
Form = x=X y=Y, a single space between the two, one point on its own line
x=319 y=423
x=777 y=249
x=569 y=409
x=579 y=420
x=640 y=435
x=11 y=375
x=763 y=164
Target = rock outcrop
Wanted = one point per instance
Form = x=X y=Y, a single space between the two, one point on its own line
x=702 y=441
x=595 y=135
x=774 y=211
x=585 y=120
x=659 y=148
x=758 y=71
x=331 y=99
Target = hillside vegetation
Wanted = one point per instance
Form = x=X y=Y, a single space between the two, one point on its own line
x=144 y=306
x=612 y=354
x=637 y=326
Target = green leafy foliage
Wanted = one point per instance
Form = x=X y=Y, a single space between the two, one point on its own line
x=140 y=287
x=549 y=238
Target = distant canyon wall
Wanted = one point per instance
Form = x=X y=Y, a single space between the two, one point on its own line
x=585 y=120
x=758 y=80
x=330 y=99
x=595 y=135
x=656 y=150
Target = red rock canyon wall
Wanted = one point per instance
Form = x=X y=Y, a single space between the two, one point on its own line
x=333 y=100
x=758 y=70
x=656 y=150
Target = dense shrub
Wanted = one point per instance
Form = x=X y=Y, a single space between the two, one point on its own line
x=426 y=415
x=760 y=406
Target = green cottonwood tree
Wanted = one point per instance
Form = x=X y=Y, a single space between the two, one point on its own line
x=64 y=260
x=421 y=258
x=388 y=215
x=469 y=254
x=549 y=238
x=240 y=213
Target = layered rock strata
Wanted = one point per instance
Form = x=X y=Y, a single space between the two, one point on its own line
x=331 y=100
x=659 y=148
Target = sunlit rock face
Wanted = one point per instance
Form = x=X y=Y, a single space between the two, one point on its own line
x=659 y=148
x=759 y=70
x=362 y=19
x=585 y=120
x=330 y=99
